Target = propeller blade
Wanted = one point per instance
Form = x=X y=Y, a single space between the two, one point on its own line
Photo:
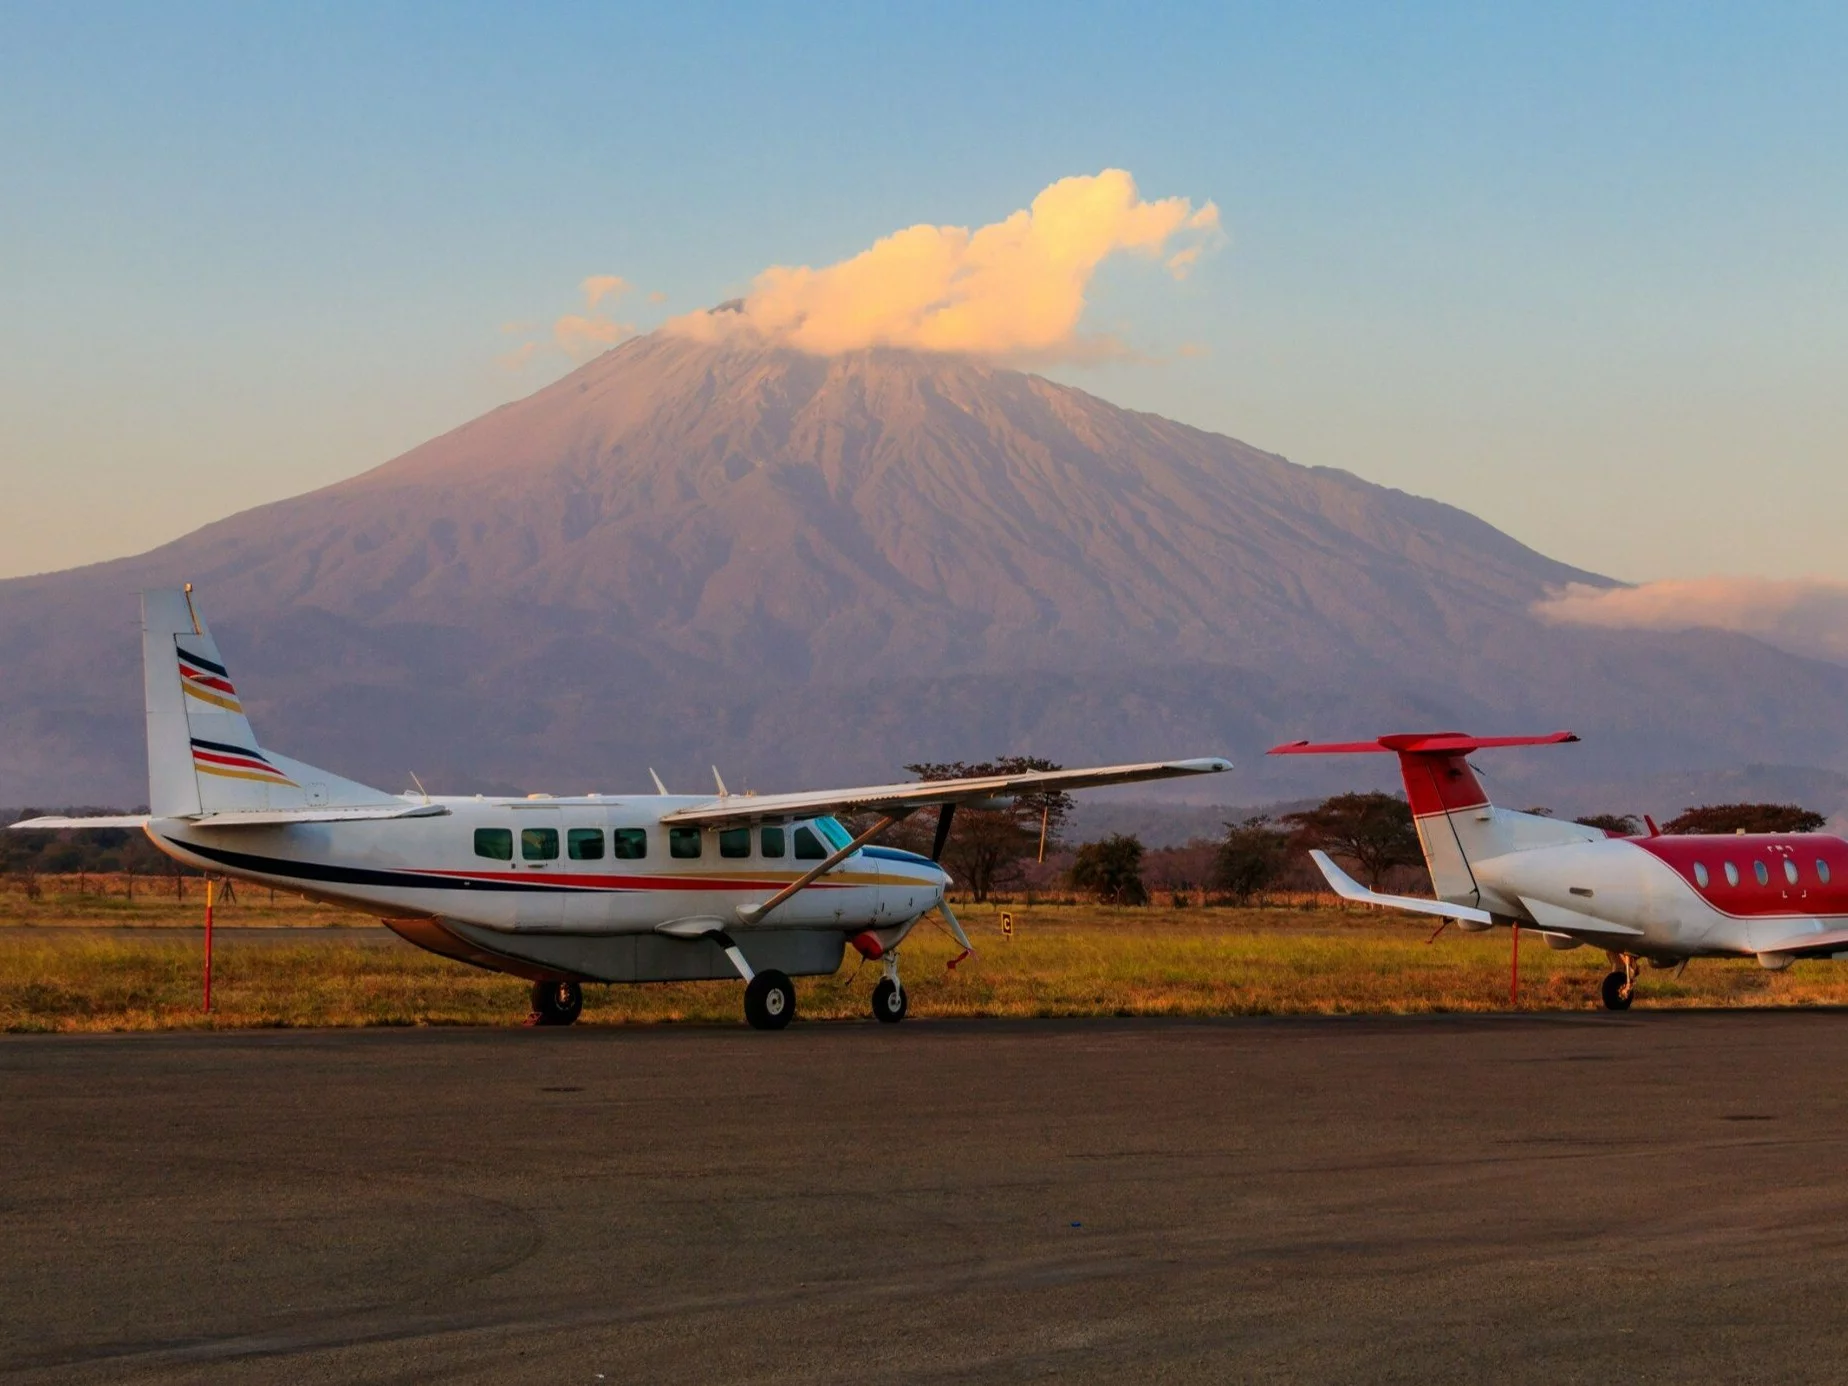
x=956 y=929
x=945 y=816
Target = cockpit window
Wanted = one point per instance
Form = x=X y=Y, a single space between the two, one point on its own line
x=808 y=846
x=837 y=836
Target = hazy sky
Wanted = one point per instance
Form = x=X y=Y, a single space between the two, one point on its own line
x=1578 y=268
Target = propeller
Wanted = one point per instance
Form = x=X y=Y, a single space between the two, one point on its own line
x=956 y=929
x=945 y=816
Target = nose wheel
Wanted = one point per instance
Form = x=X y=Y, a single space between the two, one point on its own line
x=556 y=1003
x=890 y=1000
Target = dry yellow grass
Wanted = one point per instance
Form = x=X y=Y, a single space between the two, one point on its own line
x=68 y=963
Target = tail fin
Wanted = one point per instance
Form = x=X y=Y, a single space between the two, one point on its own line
x=203 y=756
x=1456 y=822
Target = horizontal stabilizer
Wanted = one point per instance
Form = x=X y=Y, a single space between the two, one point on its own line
x=1559 y=920
x=1420 y=743
x=275 y=818
x=916 y=794
x=1348 y=888
x=52 y=822
x=1835 y=939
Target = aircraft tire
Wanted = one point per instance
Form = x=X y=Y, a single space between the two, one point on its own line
x=1615 y=998
x=890 y=1001
x=769 y=1000
x=557 y=1003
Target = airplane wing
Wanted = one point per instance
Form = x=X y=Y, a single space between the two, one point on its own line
x=249 y=818
x=915 y=794
x=1348 y=888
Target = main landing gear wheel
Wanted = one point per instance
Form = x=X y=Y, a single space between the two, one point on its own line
x=890 y=1001
x=1617 y=991
x=557 y=1003
x=769 y=1000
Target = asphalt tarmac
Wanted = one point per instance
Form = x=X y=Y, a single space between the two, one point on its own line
x=1651 y=1197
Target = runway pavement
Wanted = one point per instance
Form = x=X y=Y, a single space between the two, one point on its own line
x=1652 y=1197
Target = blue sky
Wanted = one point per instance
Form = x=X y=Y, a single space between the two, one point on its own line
x=1577 y=268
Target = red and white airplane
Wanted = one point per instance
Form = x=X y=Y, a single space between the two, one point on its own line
x=560 y=891
x=1665 y=899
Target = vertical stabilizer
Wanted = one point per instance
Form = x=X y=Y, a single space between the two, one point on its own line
x=1456 y=823
x=203 y=757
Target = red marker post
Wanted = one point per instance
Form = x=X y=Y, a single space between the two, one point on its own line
x=208 y=945
x=1514 y=969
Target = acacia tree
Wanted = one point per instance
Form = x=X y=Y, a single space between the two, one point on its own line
x=1251 y=856
x=1746 y=818
x=1616 y=824
x=1372 y=830
x=1112 y=870
x=987 y=847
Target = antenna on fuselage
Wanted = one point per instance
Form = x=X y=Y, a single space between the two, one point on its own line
x=717 y=779
x=659 y=787
x=419 y=783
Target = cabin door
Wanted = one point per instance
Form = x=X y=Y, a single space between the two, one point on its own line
x=538 y=857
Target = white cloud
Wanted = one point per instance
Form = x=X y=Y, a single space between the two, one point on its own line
x=582 y=336
x=601 y=286
x=1014 y=289
x=1807 y=616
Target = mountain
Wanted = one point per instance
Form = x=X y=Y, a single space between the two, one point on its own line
x=807 y=569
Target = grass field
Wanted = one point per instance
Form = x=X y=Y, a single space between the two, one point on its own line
x=71 y=961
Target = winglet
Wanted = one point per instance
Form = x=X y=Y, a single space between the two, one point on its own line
x=1348 y=888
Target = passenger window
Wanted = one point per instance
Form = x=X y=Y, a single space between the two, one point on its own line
x=734 y=842
x=1762 y=872
x=808 y=846
x=631 y=844
x=496 y=844
x=770 y=841
x=1732 y=874
x=584 y=844
x=683 y=842
x=1790 y=870
x=1822 y=871
x=1700 y=875
x=539 y=844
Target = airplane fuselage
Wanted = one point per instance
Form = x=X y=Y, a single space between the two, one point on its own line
x=1686 y=896
x=596 y=888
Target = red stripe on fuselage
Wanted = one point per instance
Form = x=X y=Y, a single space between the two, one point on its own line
x=1780 y=897
x=241 y=762
x=538 y=876
x=209 y=680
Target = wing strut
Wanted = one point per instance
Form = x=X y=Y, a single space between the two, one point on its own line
x=754 y=914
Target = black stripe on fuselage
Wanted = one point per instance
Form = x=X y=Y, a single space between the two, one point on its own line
x=366 y=876
x=192 y=658
x=229 y=749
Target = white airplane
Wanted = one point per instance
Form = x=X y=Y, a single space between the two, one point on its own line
x=561 y=891
x=1665 y=898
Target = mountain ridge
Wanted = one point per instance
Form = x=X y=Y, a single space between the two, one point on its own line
x=818 y=568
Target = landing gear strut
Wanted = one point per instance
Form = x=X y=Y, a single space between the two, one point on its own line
x=557 y=1003
x=890 y=1000
x=1619 y=987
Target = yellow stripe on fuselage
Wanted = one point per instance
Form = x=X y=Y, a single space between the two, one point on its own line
x=216 y=700
x=256 y=775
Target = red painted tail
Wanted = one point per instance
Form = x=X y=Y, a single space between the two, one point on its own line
x=1455 y=820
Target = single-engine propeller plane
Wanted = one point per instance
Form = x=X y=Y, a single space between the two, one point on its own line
x=1661 y=898
x=560 y=891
